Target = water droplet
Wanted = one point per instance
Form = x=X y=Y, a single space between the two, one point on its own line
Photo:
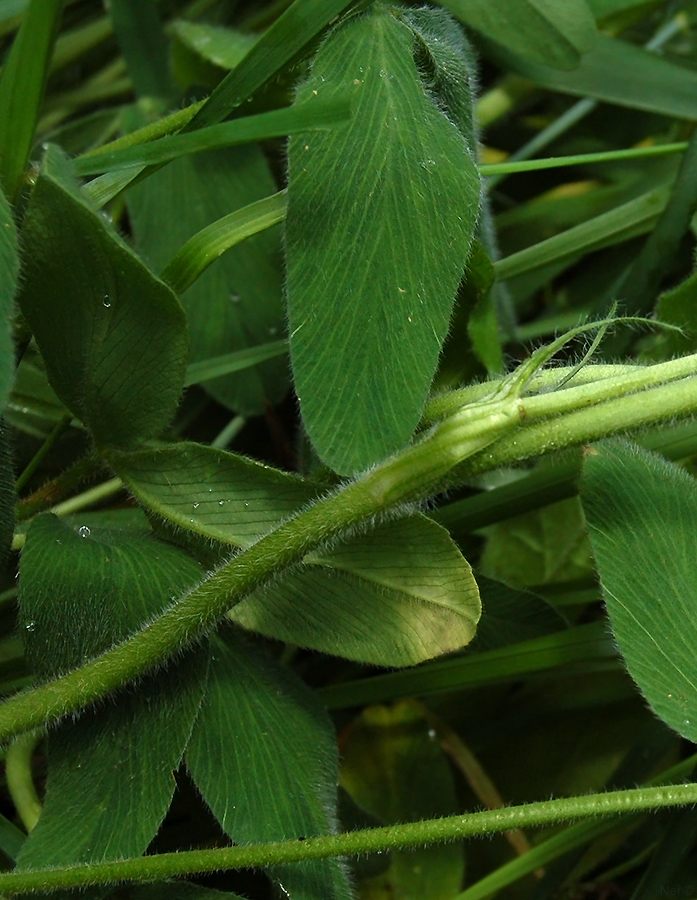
x=221 y=502
x=246 y=502
x=432 y=733
x=210 y=490
x=235 y=297
x=196 y=505
x=30 y=626
x=83 y=531
x=106 y=302
x=192 y=521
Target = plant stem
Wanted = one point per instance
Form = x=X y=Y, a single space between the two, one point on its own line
x=612 y=417
x=43 y=450
x=410 y=475
x=373 y=840
x=19 y=778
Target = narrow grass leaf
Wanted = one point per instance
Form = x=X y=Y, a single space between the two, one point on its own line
x=217 y=366
x=22 y=85
x=110 y=778
x=369 y=305
x=399 y=595
x=11 y=838
x=393 y=767
x=237 y=303
x=546 y=31
x=113 y=336
x=278 y=123
x=618 y=72
x=144 y=46
x=657 y=258
x=620 y=224
x=280 y=781
x=9 y=271
x=642 y=517
x=590 y=645
x=300 y=24
x=201 y=250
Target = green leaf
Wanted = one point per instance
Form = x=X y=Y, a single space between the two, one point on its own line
x=8 y=497
x=399 y=595
x=618 y=72
x=210 y=492
x=370 y=290
x=678 y=307
x=83 y=588
x=394 y=768
x=510 y=616
x=22 y=85
x=544 y=546
x=447 y=64
x=223 y=47
x=546 y=31
x=110 y=773
x=113 y=336
x=300 y=24
x=172 y=890
x=11 y=838
x=9 y=271
x=642 y=517
x=144 y=46
x=33 y=407
x=237 y=303
x=280 y=780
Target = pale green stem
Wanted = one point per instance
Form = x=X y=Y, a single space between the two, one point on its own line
x=491 y=426
x=560 y=844
x=77 y=504
x=445 y=404
x=374 y=840
x=229 y=433
x=88 y=498
x=586 y=425
x=19 y=778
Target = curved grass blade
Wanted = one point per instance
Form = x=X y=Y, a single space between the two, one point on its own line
x=22 y=85
x=306 y=117
x=211 y=242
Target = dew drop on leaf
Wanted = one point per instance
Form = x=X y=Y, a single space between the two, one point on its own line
x=83 y=531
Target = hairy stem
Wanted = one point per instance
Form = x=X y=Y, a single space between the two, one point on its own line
x=373 y=840
x=489 y=432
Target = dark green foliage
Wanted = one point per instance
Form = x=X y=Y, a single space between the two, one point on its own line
x=274 y=532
